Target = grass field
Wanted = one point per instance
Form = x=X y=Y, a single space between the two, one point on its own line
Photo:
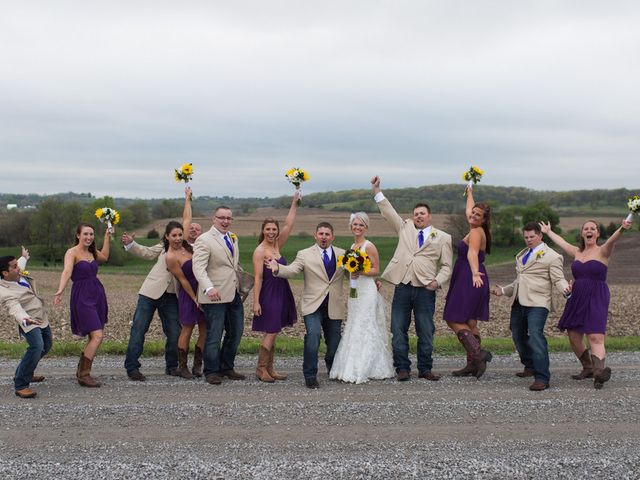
x=293 y=347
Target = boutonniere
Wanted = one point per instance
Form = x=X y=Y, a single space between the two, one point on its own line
x=433 y=234
x=233 y=237
x=540 y=253
x=24 y=273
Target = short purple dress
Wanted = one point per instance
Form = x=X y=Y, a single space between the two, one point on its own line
x=190 y=314
x=88 y=301
x=587 y=308
x=277 y=302
x=464 y=301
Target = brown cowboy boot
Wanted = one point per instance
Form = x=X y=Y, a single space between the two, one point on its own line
x=183 y=370
x=472 y=346
x=469 y=369
x=261 y=370
x=84 y=373
x=587 y=366
x=197 y=362
x=275 y=375
x=601 y=373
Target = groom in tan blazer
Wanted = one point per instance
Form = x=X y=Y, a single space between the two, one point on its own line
x=215 y=261
x=322 y=304
x=420 y=265
x=538 y=270
x=18 y=294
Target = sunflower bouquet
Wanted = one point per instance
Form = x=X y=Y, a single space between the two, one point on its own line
x=354 y=261
x=296 y=176
x=634 y=207
x=184 y=174
x=109 y=216
x=472 y=176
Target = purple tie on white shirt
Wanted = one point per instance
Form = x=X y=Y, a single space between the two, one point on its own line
x=226 y=240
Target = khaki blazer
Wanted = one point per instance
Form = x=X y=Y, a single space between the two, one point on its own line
x=534 y=281
x=159 y=280
x=410 y=264
x=22 y=302
x=317 y=285
x=215 y=266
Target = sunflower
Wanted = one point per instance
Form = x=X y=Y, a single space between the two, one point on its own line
x=176 y=175
x=340 y=261
x=116 y=218
x=99 y=213
x=187 y=169
x=352 y=265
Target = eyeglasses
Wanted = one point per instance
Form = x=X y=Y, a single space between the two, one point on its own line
x=228 y=219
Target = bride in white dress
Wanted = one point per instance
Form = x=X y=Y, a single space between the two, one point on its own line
x=364 y=352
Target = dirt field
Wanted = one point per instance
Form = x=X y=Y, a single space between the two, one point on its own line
x=307 y=219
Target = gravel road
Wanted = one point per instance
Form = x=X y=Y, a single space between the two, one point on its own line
x=168 y=427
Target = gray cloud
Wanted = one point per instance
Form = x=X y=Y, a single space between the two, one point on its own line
x=109 y=97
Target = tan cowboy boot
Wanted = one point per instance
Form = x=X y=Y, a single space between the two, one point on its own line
x=587 y=366
x=84 y=373
x=261 y=370
x=275 y=375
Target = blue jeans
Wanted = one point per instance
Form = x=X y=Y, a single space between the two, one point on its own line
x=422 y=302
x=315 y=323
x=167 y=306
x=527 y=331
x=230 y=318
x=39 y=341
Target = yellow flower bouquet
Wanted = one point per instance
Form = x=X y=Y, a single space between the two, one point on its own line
x=472 y=176
x=296 y=176
x=109 y=216
x=184 y=174
x=353 y=261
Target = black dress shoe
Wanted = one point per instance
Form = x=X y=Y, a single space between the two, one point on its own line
x=136 y=376
x=402 y=376
x=311 y=382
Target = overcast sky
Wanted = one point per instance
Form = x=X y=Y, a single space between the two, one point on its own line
x=108 y=97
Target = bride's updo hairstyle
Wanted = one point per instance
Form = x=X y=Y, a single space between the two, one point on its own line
x=362 y=216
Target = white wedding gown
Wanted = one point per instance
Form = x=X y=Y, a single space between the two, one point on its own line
x=364 y=352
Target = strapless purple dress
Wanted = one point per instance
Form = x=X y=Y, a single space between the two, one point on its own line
x=88 y=301
x=277 y=302
x=190 y=314
x=464 y=301
x=587 y=308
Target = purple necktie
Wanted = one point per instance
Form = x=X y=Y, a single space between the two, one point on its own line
x=526 y=257
x=226 y=240
x=420 y=239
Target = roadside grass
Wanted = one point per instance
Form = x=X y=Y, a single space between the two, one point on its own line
x=293 y=347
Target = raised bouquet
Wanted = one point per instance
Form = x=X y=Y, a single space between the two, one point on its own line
x=472 y=176
x=634 y=207
x=109 y=216
x=296 y=176
x=184 y=174
x=353 y=261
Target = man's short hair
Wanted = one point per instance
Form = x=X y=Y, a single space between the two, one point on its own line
x=325 y=225
x=221 y=207
x=532 y=226
x=418 y=205
x=4 y=263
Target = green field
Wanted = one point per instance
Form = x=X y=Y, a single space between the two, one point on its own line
x=133 y=265
x=293 y=347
